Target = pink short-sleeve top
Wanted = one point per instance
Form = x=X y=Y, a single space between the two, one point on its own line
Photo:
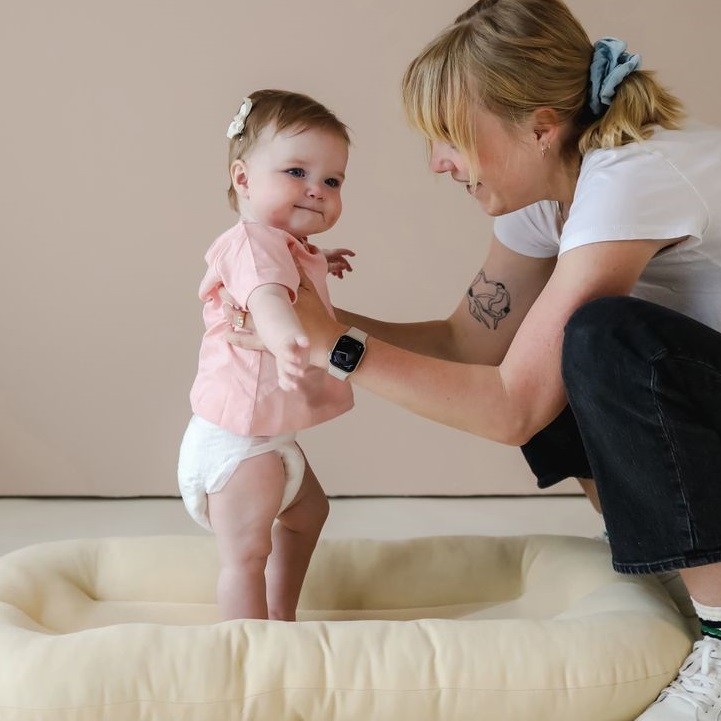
x=237 y=389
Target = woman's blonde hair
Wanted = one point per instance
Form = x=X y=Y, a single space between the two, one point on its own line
x=281 y=110
x=513 y=57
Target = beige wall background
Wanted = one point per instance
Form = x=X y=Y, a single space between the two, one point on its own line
x=113 y=184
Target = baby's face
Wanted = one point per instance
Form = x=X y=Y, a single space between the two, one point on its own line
x=293 y=180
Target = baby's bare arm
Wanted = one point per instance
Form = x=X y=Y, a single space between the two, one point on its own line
x=280 y=331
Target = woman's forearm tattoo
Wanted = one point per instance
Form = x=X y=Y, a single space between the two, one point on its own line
x=488 y=301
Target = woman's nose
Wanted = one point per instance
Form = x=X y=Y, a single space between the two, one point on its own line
x=440 y=161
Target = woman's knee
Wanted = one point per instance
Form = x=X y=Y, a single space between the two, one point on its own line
x=601 y=334
x=586 y=337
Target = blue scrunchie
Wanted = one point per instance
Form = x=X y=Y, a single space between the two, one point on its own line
x=610 y=65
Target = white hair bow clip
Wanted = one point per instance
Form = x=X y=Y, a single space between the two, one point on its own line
x=238 y=123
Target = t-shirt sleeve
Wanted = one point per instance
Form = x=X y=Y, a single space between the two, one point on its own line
x=529 y=231
x=631 y=193
x=264 y=257
x=626 y=193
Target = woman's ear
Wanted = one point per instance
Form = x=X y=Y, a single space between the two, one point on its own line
x=239 y=177
x=546 y=126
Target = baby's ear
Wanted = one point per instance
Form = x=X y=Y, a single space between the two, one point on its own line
x=239 y=177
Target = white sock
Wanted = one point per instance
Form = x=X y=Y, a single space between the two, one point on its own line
x=709 y=613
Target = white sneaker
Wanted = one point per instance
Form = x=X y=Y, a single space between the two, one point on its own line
x=695 y=694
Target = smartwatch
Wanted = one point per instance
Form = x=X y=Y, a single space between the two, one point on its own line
x=347 y=353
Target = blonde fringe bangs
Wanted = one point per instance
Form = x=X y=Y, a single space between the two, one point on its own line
x=476 y=64
x=436 y=94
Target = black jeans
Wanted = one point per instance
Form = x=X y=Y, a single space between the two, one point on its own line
x=644 y=390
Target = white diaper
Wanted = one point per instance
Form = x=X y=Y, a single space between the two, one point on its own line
x=209 y=456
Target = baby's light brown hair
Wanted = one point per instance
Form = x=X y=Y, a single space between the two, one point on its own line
x=280 y=109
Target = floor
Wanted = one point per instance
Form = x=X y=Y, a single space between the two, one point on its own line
x=25 y=521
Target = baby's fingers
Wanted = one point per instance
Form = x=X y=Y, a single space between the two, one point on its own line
x=292 y=362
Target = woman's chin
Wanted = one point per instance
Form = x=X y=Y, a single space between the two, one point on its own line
x=479 y=196
x=488 y=203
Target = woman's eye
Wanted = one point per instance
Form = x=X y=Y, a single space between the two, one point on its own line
x=297 y=172
x=332 y=182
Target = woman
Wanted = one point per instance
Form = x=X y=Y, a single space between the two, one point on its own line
x=590 y=337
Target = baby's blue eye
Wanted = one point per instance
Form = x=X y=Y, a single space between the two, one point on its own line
x=332 y=182
x=297 y=172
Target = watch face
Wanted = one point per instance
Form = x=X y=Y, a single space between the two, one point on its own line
x=347 y=353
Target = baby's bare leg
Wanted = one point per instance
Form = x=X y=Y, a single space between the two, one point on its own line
x=242 y=515
x=294 y=538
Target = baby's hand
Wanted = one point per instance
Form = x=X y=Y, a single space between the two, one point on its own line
x=337 y=262
x=291 y=359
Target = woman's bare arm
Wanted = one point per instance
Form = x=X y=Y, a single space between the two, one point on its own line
x=512 y=398
x=488 y=314
x=432 y=338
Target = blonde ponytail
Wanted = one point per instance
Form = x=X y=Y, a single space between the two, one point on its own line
x=639 y=104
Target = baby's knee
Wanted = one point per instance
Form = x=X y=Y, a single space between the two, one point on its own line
x=248 y=549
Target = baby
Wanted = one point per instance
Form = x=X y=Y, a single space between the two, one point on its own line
x=240 y=471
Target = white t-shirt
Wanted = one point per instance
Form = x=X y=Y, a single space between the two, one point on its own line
x=666 y=187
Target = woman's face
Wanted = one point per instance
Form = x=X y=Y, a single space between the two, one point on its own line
x=509 y=164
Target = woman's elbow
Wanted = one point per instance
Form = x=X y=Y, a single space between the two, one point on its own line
x=517 y=434
x=513 y=430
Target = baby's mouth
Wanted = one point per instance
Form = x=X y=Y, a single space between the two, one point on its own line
x=310 y=210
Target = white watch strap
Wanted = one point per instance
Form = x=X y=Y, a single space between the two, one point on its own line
x=337 y=372
x=357 y=333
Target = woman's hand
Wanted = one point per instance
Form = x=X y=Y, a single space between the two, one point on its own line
x=321 y=329
x=241 y=331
